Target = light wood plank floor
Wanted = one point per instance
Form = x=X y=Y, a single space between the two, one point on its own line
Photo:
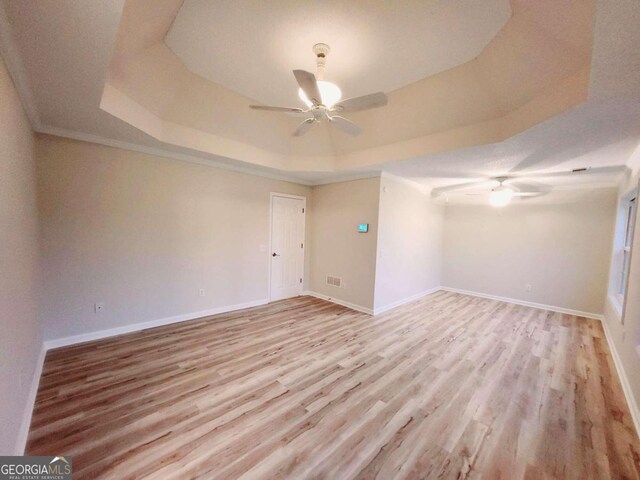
x=449 y=386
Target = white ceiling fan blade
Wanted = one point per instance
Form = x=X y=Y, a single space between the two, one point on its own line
x=436 y=192
x=309 y=86
x=365 y=102
x=528 y=189
x=516 y=193
x=516 y=184
x=303 y=127
x=347 y=126
x=267 y=108
x=528 y=194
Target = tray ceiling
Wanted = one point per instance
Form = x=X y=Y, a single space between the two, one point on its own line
x=556 y=87
x=251 y=46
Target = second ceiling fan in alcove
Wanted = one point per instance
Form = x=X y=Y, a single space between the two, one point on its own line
x=513 y=185
x=322 y=99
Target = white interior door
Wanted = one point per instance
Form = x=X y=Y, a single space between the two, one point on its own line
x=287 y=246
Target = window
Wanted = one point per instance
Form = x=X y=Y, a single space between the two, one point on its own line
x=630 y=216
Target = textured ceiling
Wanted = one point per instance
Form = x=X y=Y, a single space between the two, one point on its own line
x=251 y=46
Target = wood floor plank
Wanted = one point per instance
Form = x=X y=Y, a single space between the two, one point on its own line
x=449 y=386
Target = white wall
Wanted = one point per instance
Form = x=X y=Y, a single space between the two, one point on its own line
x=624 y=333
x=143 y=234
x=562 y=249
x=21 y=336
x=337 y=248
x=410 y=230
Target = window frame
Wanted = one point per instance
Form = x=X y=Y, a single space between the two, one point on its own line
x=625 y=228
x=631 y=207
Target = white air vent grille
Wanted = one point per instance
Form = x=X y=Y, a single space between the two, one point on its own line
x=334 y=281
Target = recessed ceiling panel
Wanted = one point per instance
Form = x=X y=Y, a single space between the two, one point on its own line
x=251 y=46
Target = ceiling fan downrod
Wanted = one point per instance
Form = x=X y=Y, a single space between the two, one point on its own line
x=321 y=50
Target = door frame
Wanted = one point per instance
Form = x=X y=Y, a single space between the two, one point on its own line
x=304 y=231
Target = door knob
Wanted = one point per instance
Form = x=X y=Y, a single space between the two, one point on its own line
x=275 y=255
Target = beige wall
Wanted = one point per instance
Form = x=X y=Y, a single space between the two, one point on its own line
x=561 y=249
x=624 y=335
x=21 y=336
x=337 y=248
x=143 y=234
x=409 y=243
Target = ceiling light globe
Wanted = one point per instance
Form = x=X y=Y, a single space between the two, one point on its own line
x=500 y=197
x=330 y=93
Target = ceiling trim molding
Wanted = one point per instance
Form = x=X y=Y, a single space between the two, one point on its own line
x=13 y=61
x=347 y=178
x=108 y=142
x=90 y=138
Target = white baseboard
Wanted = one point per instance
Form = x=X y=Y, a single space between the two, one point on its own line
x=594 y=316
x=379 y=310
x=136 y=327
x=337 y=301
x=86 y=337
x=634 y=407
x=23 y=434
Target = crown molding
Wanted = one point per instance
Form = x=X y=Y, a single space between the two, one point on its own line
x=346 y=178
x=108 y=142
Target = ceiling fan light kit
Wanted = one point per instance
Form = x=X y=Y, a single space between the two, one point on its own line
x=500 y=197
x=330 y=94
x=322 y=99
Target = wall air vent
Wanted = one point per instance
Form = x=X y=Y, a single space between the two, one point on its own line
x=334 y=281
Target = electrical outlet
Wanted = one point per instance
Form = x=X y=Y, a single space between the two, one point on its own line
x=201 y=292
x=98 y=307
x=527 y=288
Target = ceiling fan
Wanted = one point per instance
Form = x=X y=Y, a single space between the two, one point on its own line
x=322 y=99
x=510 y=186
x=503 y=194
